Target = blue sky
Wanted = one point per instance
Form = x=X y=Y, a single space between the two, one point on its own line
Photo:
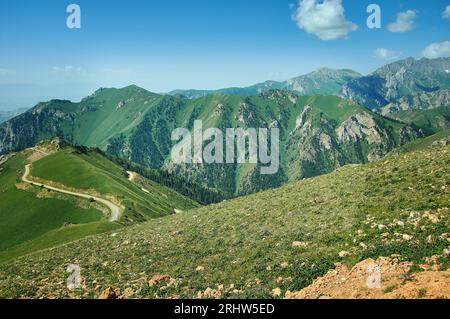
x=170 y=44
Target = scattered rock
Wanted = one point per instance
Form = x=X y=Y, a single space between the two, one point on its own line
x=110 y=293
x=299 y=244
x=158 y=279
x=127 y=293
x=210 y=293
x=407 y=237
x=344 y=254
x=400 y=223
x=276 y=292
x=200 y=269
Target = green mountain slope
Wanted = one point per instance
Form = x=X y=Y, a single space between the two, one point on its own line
x=429 y=121
x=441 y=138
x=249 y=247
x=6 y=115
x=25 y=216
x=35 y=217
x=324 y=81
x=318 y=133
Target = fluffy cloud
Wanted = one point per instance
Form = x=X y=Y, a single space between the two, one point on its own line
x=386 y=54
x=437 y=50
x=404 y=23
x=324 y=19
x=446 y=13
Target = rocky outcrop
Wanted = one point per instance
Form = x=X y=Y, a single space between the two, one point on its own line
x=43 y=121
x=385 y=278
x=419 y=101
x=397 y=80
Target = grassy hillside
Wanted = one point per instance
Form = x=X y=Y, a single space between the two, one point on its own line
x=318 y=133
x=249 y=246
x=33 y=218
x=83 y=169
x=424 y=143
x=430 y=121
x=25 y=216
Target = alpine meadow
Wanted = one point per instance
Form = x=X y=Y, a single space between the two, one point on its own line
x=202 y=150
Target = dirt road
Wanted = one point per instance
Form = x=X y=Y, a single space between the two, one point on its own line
x=116 y=210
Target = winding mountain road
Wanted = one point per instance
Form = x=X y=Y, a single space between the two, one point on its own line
x=116 y=210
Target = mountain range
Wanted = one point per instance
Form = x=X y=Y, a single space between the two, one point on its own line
x=385 y=85
x=324 y=81
x=397 y=80
x=319 y=133
x=363 y=181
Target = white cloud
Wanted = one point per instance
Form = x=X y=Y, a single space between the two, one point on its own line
x=324 y=19
x=386 y=54
x=446 y=13
x=404 y=23
x=68 y=70
x=437 y=50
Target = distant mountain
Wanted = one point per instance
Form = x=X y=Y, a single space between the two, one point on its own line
x=318 y=133
x=428 y=111
x=6 y=115
x=323 y=81
x=418 y=101
x=397 y=80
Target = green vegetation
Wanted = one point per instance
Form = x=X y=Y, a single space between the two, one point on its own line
x=422 y=293
x=191 y=190
x=53 y=238
x=396 y=206
x=24 y=216
x=430 y=121
x=83 y=169
x=425 y=143
x=318 y=133
x=33 y=218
